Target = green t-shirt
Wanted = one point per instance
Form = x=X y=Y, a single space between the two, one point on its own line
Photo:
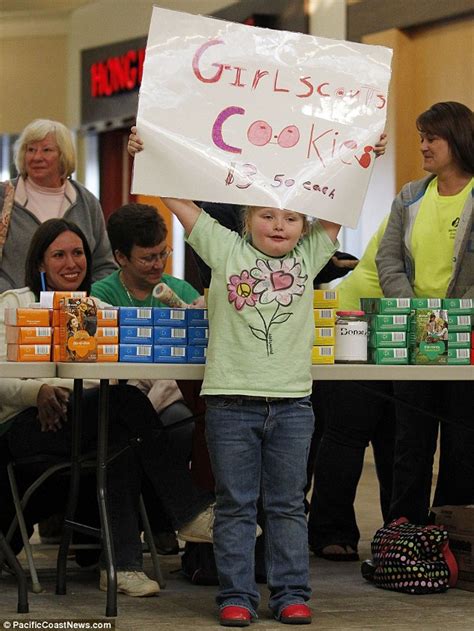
x=111 y=291
x=261 y=325
x=432 y=239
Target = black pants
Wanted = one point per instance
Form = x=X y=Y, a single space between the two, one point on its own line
x=353 y=415
x=133 y=423
x=416 y=440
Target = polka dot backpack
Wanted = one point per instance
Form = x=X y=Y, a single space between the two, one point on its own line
x=412 y=559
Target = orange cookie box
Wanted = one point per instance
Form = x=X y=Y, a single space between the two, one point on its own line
x=28 y=352
x=77 y=329
x=27 y=316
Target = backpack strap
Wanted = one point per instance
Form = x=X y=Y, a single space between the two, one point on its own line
x=398 y=522
x=6 y=213
x=451 y=563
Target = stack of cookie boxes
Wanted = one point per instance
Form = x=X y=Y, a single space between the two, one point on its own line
x=28 y=334
x=422 y=331
x=96 y=334
x=460 y=334
x=325 y=303
x=388 y=329
x=472 y=342
x=163 y=335
x=63 y=326
x=472 y=338
x=440 y=331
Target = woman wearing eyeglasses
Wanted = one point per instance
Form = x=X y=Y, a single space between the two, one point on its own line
x=137 y=233
x=45 y=158
x=34 y=415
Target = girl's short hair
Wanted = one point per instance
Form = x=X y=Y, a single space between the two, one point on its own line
x=38 y=130
x=42 y=239
x=454 y=122
x=247 y=213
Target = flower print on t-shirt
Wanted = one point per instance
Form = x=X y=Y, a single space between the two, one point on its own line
x=273 y=280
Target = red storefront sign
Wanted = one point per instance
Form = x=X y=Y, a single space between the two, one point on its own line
x=117 y=74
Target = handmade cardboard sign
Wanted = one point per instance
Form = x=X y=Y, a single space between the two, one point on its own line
x=245 y=115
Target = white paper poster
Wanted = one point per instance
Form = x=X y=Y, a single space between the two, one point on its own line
x=245 y=115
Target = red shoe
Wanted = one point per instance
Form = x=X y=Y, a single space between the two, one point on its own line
x=296 y=614
x=233 y=616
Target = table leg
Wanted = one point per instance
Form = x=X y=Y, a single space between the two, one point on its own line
x=107 y=542
x=22 y=606
x=73 y=488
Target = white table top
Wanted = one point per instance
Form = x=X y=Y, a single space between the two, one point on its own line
x=333 y=372
x=358 y=372
x=125 y=370
x=28 y=370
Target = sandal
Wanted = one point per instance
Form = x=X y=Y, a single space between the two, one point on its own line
x=347 y=552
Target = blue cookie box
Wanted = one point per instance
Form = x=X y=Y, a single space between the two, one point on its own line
x=197 y=317
x=197 y=354
x=136 y=316
x=169 y=335
x=167 y=354
x=198 y=335
x=137 y=353
x=136 y=335
x=169 y=317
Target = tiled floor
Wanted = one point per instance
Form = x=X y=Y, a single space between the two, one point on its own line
x=342 y=599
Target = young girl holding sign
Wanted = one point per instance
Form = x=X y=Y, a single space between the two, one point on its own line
x=257 y=385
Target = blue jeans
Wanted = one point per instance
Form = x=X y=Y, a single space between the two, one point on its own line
x=260 y=446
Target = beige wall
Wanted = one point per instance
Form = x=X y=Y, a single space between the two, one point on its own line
x=96 y=25
x=430 y=64
x=33 y=73
x=109 y=21
x=40 y=65
x=40 y=54
x=327 y=18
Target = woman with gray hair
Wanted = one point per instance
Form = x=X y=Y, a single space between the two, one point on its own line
x=45 y=159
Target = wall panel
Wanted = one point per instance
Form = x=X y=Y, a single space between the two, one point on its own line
x=430 y=64
x=34 y=80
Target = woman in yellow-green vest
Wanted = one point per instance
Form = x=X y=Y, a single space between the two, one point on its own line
x=353 y=415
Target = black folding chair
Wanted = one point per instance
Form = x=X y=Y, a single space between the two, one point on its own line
x=51 y=466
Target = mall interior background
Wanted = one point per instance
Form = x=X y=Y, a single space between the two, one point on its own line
x=47 y=46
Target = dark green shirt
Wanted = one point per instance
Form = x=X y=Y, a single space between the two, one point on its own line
x=112 y=291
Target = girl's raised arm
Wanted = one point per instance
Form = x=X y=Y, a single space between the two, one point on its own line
x=185 y=210
x=331 y=228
